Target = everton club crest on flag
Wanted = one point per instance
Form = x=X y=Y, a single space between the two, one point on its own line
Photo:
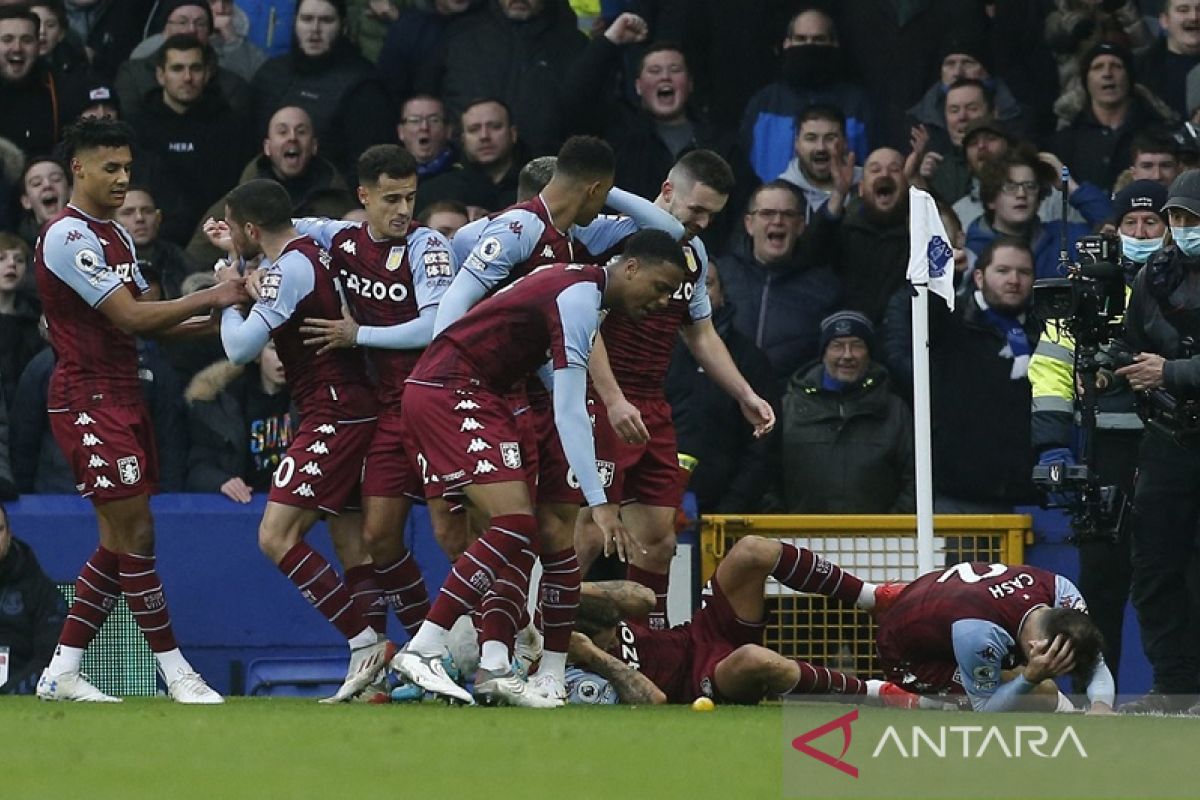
x=930 y=257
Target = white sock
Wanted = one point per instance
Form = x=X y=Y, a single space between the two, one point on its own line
x=66 y=659
x=554 y=664
x=866 y=597
x=363 y=638
x=430 y=639
x=494 y=657
x=873 y=688
x=172 y=663
x=1065 y=706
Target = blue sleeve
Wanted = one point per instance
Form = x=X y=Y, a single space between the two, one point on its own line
x=979 y=649
x=505 y=242
x=700 y=306
x=466 y=237
x=575 y=431
x=432 y=265
x=243 y=339
x=464 y=292
x=411 y=335
x=1067 y=595
x=74 y=254
x=579 y=318
x=1093 y=203
x=322 y=229
x=285 y=284
x=644 y=213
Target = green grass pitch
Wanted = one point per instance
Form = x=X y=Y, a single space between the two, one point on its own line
x=277 y=748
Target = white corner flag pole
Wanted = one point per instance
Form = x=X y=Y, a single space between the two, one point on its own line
x=921 y=430
x=930 y=267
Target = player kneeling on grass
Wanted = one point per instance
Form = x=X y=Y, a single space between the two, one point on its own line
x=720 y=653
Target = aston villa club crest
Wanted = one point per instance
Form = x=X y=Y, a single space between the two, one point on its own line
x=510 y=454
x=690 y=257
x=128 y=470
x=395 y=258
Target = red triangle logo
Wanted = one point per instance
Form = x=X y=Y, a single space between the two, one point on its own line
x=842 y=723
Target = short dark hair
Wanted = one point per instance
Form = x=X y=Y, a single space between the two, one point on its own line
x=478 y=101
x=183 y=42
x=823 y=111
x=91 y=134
x=33 y=162
x=1087 y=641
x=988 y=95
x=534 y=176
x=1152 y=141
x=989 y=253
x=144 y=188
x=438 y=206
x=780 y=185
x=661 y=47
x=654 y=245
x=262 y=202
x=338 y=5
x=55 y=7
x=585 y=158
x=22 y=12
x=385 y=159
x=705 y=166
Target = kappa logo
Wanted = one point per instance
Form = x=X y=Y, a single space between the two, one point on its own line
x=395 y=258
x=74 y=236
x=470 y=424
x=326 y=429
x=91 y=440
x=304 y=490
x=484 y=467
x=547 y=252
x=313 y=469
x=349 y=247
x=129 y=470
x=478 y=445
x=320 y=448
x=102 y=482
x=510 y=454
x=96 y=462
x=84 y=419
x=467 y=405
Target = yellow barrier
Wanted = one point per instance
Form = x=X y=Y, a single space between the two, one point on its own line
x=877 y=548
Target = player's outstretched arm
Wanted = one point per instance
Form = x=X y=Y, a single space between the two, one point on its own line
x=644 y=213
x=149 y=318
x=633 y=688
x=712 y=355
x=465 y=291
x=623 y=415
x=630 y=598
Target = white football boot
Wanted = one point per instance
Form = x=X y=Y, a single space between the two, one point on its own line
x=508 y=689
x=189 y=689
x=365 y=665
x=429 y=672
x=71 y=686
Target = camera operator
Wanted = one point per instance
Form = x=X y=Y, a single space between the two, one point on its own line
x=1104 y=555
x=1161 y=326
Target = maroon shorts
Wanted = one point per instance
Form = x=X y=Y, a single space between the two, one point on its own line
x=464 y=436
x=324 y=466
x=716 y=632
x=110 y=449
x=643 y=473
x=556 y=480
x=391 y=470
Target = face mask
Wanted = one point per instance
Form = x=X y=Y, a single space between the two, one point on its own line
x=1139 y=250
x=1187 y=239
x=812 y=64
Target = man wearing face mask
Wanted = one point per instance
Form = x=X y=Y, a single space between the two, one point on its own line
x=814 y=71
x=1104 y=565
x=1163 y=315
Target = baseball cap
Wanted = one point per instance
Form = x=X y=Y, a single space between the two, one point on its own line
x=1185 y=192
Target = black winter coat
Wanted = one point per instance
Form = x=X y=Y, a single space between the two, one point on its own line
x=32 y=611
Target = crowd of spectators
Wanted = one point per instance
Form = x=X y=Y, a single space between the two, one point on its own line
x=827 y=111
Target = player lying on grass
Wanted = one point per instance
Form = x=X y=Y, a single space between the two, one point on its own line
x=720 y=653
x=997 y=634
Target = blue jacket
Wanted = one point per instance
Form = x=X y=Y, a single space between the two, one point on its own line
x=768 y=130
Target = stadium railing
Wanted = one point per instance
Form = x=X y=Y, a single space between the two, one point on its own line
x=877 y=548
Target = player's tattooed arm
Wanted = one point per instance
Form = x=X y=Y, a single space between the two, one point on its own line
x=630 y=598
x=633 y=688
